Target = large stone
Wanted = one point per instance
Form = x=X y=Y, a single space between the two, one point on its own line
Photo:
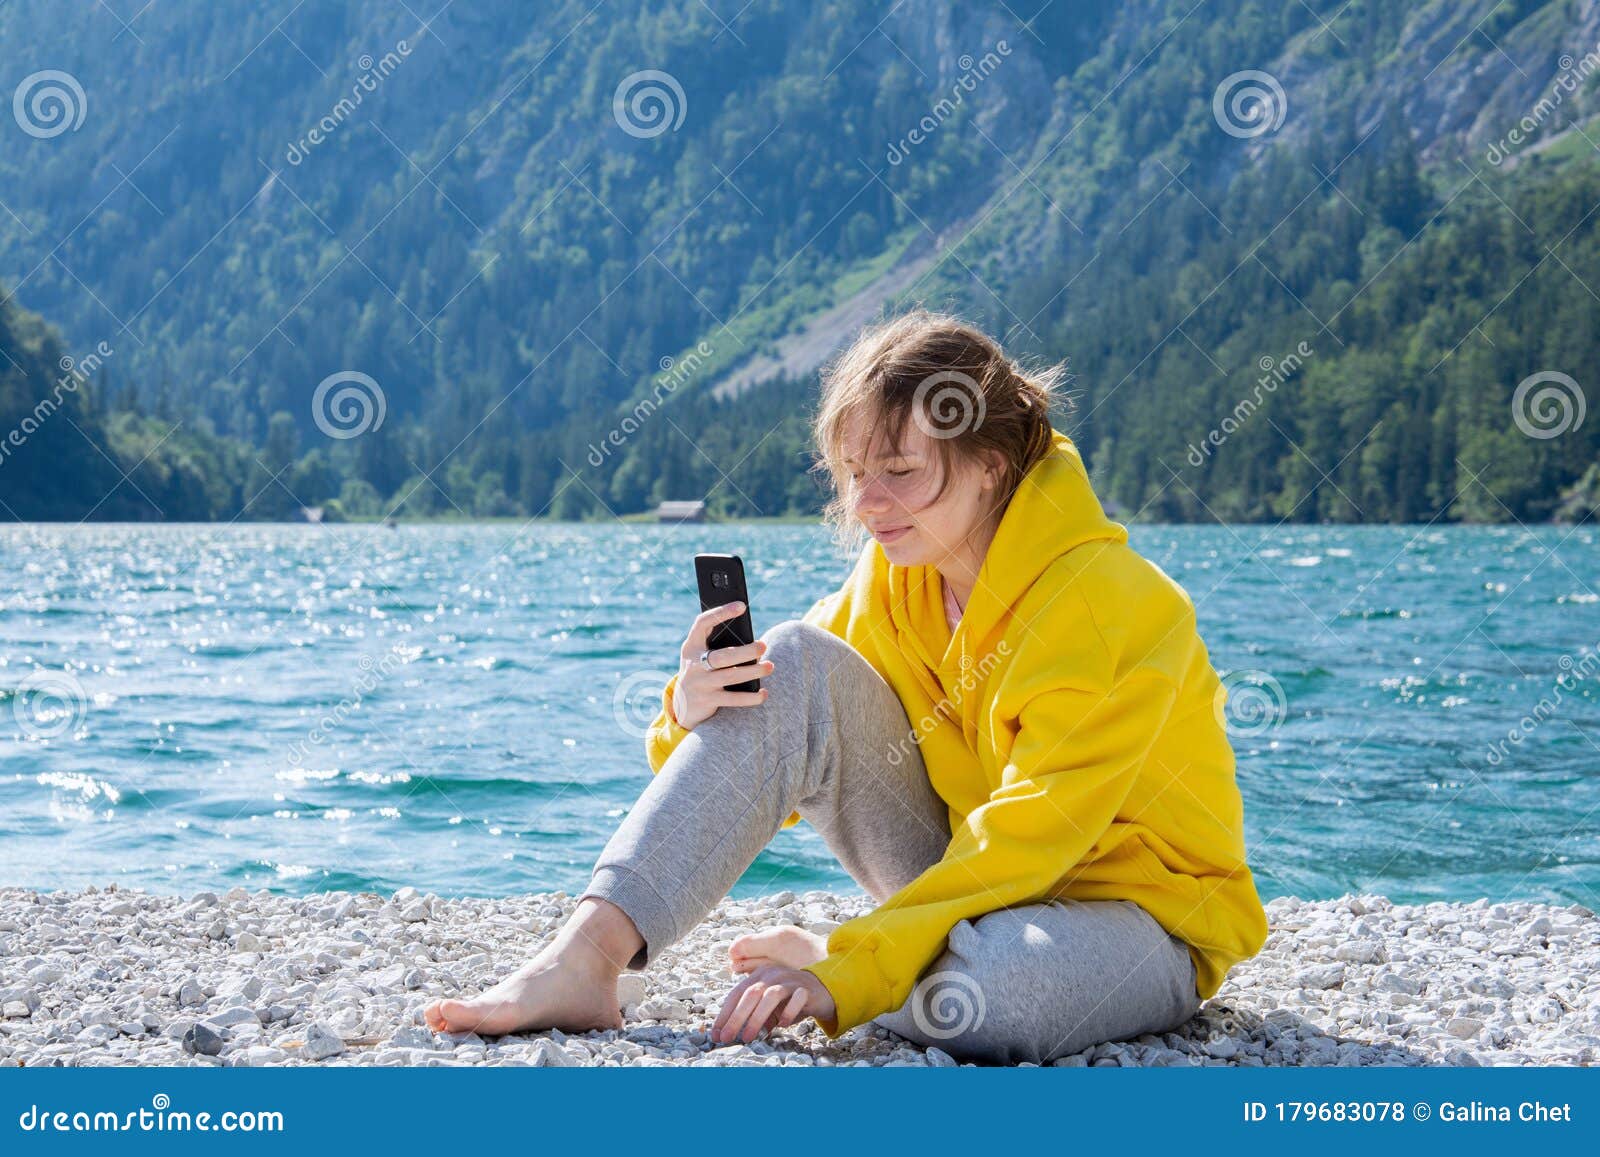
x=631 y=989
x=1359 y=951
x=414 y=1036
x=1223 y=1047
x=27 y=997
x=202 y=1040
x=1321 y=976
x=663 y=1008
x=1396 y=982
x=321 y=1042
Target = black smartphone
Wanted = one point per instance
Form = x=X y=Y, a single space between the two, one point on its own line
x=721 y=579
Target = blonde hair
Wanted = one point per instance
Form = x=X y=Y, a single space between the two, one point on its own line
x=949 y=377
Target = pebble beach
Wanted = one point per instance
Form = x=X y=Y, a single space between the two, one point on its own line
x=114 y=977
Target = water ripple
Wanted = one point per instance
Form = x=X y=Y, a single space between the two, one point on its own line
x=300 y=708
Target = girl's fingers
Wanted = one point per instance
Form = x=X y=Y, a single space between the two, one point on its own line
x=729 y=1003
x=796 y=1004
x=735 y=1010
x=723 y=676
x=734 y=1026
x=760 y=1020
x=730 y=656
x=700 y=630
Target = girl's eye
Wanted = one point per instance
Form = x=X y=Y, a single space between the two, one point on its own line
x=859 y=476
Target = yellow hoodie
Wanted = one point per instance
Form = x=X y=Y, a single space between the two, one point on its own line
x=1073 y=724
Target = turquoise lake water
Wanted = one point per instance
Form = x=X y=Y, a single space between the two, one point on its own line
x=461 y=708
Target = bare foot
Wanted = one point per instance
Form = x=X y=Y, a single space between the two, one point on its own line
x=786 y=945
x=570 y=985
x=546 y=992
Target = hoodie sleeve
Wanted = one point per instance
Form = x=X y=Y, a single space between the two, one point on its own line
x=662 y=737
x=1072 y=764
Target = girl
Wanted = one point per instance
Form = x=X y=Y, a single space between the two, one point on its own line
x=1004 y=725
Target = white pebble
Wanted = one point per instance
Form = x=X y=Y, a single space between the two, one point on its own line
x=120 y=977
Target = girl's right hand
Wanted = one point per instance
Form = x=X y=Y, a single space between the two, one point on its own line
x=700 y=689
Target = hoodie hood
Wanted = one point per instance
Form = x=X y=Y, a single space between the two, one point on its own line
x=1053 y=510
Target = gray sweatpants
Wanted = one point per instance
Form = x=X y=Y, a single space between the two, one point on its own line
x=1027 y=983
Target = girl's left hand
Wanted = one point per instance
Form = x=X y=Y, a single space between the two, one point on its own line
x=770 y=997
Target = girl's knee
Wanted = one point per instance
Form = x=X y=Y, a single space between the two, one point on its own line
x=791 y=648
x=795 y=636
x=960 y=1009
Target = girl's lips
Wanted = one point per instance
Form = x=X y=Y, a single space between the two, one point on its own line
x=892 y=534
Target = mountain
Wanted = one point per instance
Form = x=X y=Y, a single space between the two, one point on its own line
x=1311 y=262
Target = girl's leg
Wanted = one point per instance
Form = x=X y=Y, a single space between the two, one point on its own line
x=1042 y=981
x=831 y=742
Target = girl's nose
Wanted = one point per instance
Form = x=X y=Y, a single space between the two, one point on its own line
x=868 y=496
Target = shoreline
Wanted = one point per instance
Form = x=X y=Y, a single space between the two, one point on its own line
x=116 y=976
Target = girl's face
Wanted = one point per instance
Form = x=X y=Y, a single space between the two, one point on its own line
x=896 y=497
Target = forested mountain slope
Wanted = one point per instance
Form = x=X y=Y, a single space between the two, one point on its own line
x=525 y=224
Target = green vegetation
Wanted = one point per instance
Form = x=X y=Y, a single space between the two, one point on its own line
x=512 y=267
